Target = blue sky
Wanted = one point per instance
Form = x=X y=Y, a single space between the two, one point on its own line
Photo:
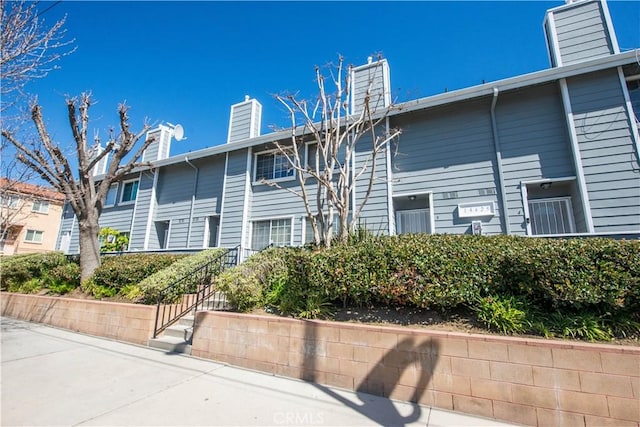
x=188 y=62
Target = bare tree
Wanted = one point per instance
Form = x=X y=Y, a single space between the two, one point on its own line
x=85 y=196
x=328 y=173
x=28 y=48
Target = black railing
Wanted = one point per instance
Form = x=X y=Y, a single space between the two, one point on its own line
x=191 y=291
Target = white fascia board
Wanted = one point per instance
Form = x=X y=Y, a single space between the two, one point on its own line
x=486 y=89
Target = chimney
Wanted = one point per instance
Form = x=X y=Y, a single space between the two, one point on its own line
x=578 y=31
x=158 y=149
x=245 y=120
x=101 y=167
x=370 y=79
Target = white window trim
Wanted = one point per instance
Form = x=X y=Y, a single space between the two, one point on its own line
x=34 y=232
x=40 y=202
x=432 y=215
x=525 y=198
x=272 y=218
x=128 y=202
x=10 y=201
x=255 y=170
x=117 y=185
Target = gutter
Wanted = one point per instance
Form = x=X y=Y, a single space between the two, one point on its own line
x=496 y=143
x=193 y=199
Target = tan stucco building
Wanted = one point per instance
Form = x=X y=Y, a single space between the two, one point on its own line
x=30 y=217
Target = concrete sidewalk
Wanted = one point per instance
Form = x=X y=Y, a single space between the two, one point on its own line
x=56 y=377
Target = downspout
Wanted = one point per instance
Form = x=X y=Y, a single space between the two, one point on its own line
x=496 y=143
x=193 y=199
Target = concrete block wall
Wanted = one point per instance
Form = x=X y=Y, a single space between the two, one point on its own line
x=527 y=381
x=123 y=322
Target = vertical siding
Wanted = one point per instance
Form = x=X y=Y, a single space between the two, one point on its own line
x=143 y=204
x=534 y=142
x=449 y=151
x=233 y=203
x=581 y=32
x=607 y=150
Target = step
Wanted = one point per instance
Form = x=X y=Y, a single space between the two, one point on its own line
x=170 y=344
x=179 y=331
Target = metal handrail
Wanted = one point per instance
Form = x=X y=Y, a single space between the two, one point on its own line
x=191 y=290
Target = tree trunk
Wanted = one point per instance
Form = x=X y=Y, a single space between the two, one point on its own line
x=89 y=248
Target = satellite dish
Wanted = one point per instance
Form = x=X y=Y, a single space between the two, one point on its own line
x=178 y=132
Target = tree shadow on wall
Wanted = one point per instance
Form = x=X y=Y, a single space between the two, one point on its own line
x=411 y=360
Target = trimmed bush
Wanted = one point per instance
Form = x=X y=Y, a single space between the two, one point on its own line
x=117 y=272
x=513 y=284
x=150 y=287
x=247 y=284
x=18 y=269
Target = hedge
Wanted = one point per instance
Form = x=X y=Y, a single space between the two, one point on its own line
x=148 y=289
x=19 y=269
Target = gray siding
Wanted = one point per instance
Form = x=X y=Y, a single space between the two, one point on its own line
x=609 y=160
x=143 y=204
x=449 y=152
x=151 y=153
x=581 y=32
x=534 y=143
x=68 y=224
x=375 y=214
x=241 y=126
x=371 y=77
x=118 y=217
x=233 y=203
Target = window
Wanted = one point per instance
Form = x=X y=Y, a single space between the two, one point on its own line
x=551 y=216
x=10 y=201
x=112 y=194
x=33 y=236
x=272 y=166
x=276 y=232
x=40 y=206
x=308 y=229
x=129 y=191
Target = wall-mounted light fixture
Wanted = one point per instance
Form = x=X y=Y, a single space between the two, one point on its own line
x=412 y=198
x=545 y=185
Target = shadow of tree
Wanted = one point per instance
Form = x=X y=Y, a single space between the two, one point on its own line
x=412 y=361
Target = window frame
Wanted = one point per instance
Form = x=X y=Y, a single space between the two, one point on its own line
x=122 y=193
x=274 y=153
x=115 y=198
x=10 y=201
x=40 y=203
x=291 y=220
x=26 y=234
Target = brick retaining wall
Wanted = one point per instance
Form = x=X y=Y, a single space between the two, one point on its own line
x=123 y=322
x=527 y=381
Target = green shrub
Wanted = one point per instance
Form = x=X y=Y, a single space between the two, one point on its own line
x=31 y=286
x=506 y=315
x=150 y=287
x=18 y=269
x=257 y=279
x=112 y=240
x=63 y=278
x=116 y=272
